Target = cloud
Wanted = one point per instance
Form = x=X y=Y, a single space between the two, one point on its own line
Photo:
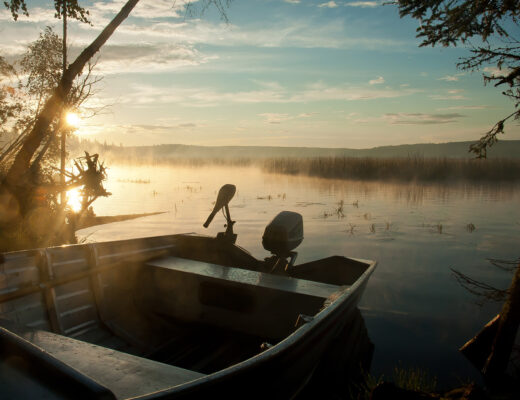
x=329 y=4
x=362 y=4
x=148 y=58
x=451 y=78
x=446 y=97
x=275 y=94
x=377 y=81
x=307 y=115
x=495 y=71
x=274 y=118
x=147 y=25
x=482 y=107
x=420 y=118
x=292 y=1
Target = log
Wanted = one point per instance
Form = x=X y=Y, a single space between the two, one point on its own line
x=497 y=362
x=477 y=349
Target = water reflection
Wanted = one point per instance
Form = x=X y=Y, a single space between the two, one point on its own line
x=413 y=307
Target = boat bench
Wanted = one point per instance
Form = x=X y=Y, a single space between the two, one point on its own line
x=122 y=374
x=240 y=299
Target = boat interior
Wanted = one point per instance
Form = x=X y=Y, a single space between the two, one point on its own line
x=151 y=309
x=146 y=298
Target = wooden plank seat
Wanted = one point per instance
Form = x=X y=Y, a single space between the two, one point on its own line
x=233 y=298
x=123 y=374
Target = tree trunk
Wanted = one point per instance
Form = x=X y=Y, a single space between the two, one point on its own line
x=16 y=178
x=498 y=360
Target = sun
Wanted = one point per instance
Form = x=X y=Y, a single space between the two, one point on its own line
x=74 y=199
x=73 y=119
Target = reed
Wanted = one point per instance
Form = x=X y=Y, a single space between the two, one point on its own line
x=400 y=169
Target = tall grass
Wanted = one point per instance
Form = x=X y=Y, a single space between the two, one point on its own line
x=401 y=169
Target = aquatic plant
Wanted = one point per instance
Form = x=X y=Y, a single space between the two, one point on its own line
x=339 y=209
x=414 y=378
x=141 y=181
x=413 y=168
x=470 y=227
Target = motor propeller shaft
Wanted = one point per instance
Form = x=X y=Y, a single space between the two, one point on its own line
x=225 y=194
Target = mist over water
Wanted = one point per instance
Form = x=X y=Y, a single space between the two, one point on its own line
x=415 y=311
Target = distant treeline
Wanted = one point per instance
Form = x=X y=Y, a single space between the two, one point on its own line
x=502 y=149
x=401 y=169
x=378 y=167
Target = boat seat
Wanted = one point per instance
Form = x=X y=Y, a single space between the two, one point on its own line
x=244 y=300
x=123 y=374
x=246 y=277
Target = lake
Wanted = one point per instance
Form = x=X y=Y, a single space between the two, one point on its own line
x=416 y=313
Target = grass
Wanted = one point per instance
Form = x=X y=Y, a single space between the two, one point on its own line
x=412 y=378
x=412 y=168
x=141 y=181
x=398 y=169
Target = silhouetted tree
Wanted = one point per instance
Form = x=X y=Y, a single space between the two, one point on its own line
x=492 y=25
x=17 y=190
x=15 y=186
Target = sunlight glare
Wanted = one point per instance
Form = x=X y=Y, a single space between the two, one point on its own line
x=73 y=119
x=74 y=200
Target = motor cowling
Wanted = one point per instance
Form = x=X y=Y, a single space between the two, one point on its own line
x=284 y=233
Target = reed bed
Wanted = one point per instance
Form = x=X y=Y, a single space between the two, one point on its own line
x=401 y=169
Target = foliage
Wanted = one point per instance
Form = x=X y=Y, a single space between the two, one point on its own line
x=36 y=75
x=74 y=10
x=41 y=71
x=492 y=24
x=42 y=64
x=482 y=291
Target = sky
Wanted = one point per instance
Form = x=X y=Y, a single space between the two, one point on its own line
x=277 y=72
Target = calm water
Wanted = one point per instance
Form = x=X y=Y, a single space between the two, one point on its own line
x=415 y=311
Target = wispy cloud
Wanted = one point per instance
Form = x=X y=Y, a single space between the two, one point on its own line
x=278 y=118
x=363 y=4
x=275 y=94
x=449 y=78
x=420 y=118
x=329 y=4
x=292 y=1
x=148 y=58
x=275 y=118
x=447 y=97
x=495 y=71
x=481 y=107
x=379 y=80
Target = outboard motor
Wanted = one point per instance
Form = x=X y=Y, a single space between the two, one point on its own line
x=281 y=236
x=225 y=194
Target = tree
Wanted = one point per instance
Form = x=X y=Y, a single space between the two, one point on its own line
x=17 y=190
x=41 y=70
x=490 y=23
x=14 y=187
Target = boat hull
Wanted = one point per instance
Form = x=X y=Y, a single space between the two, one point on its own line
x=38 y=284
